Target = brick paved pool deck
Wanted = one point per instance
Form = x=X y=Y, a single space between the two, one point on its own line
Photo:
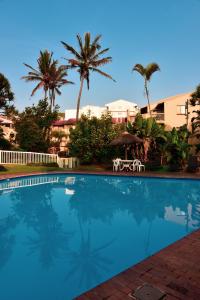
x=175 y=270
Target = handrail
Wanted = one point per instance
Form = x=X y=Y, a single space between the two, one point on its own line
x=24 y=158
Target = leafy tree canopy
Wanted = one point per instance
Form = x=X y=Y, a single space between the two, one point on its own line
x=195 y=101
x=90 y=140
x=6 y=95
x=177 y=147
x=33 y=127
x=4 y=143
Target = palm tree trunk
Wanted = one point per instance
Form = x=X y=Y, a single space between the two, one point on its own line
x=53 y=97
x=147 y=94
x=79 y=99
x=50 y=99
x=146 y=144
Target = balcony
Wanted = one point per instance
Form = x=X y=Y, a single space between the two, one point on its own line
x=158 y=116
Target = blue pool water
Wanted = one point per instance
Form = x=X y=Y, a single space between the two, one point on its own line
x=61 y=235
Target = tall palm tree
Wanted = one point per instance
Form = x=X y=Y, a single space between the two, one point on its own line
x=49 y=76
x=86 y=59
x=147 y=72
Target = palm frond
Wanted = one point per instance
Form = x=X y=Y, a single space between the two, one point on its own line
x=140 y=69
x=101 y=62
x=102 y=73
x=38 y=86
x=87 y=42
x=98 y=54
x=71 y=49
x=28 y=66
x=150 y=69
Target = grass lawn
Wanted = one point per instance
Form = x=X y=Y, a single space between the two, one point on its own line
x=14 y=169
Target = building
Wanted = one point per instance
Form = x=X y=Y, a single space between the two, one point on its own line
x=64 y=126
x=172 y=112
x=8 y=128
x=120 y=110
x=91 y=110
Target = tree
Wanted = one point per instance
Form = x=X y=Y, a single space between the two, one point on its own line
x=4 y=143
x=57 y=136
x=33 y=127
x=11 y=111
x=146 y=73
x=195 y=101
x=177 y=148
x=148 y=130
x=6 y=94
x=86 y=60
x=90 y=140
x=48 y=76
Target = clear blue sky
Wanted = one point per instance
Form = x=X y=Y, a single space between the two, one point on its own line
x=137 y=31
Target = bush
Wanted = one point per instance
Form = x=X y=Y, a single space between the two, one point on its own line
x=2 y=168
x=193 y=163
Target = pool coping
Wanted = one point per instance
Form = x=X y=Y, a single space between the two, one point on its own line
x=174 y=270
x=169 y=175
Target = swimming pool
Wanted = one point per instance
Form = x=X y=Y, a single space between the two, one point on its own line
x=61 y=235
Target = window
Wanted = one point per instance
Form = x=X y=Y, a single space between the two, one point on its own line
x=181 y=110
x=144 y=110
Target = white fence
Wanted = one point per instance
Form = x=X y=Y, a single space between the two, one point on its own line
x=24 y=158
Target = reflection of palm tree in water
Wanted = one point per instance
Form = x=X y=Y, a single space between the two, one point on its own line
x=7 y=239
x=37 y=212
x=88 y=262
x=51 y=240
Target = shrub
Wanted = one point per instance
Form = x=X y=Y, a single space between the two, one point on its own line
x=2 y=168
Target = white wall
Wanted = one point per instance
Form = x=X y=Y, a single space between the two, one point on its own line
x=118 y=109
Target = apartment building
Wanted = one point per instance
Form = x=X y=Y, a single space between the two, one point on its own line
x=8 y=129
x=120 y=110
x=172 y=112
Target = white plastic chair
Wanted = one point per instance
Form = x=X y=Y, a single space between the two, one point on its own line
x=116 y=164
x=134 y=166
x=138 y=165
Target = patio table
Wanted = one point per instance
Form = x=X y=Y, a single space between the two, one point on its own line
x=126 y=164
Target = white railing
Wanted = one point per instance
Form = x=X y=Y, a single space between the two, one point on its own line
x=68 y=162
x=24 y=158
x=26 y=182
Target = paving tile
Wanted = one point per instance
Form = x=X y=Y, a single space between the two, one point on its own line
x=174 y=270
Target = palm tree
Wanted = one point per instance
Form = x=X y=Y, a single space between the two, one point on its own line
x=86 y=59
x=49 y=76
x=147 y=72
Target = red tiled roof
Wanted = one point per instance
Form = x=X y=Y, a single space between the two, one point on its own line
x=73 y=121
